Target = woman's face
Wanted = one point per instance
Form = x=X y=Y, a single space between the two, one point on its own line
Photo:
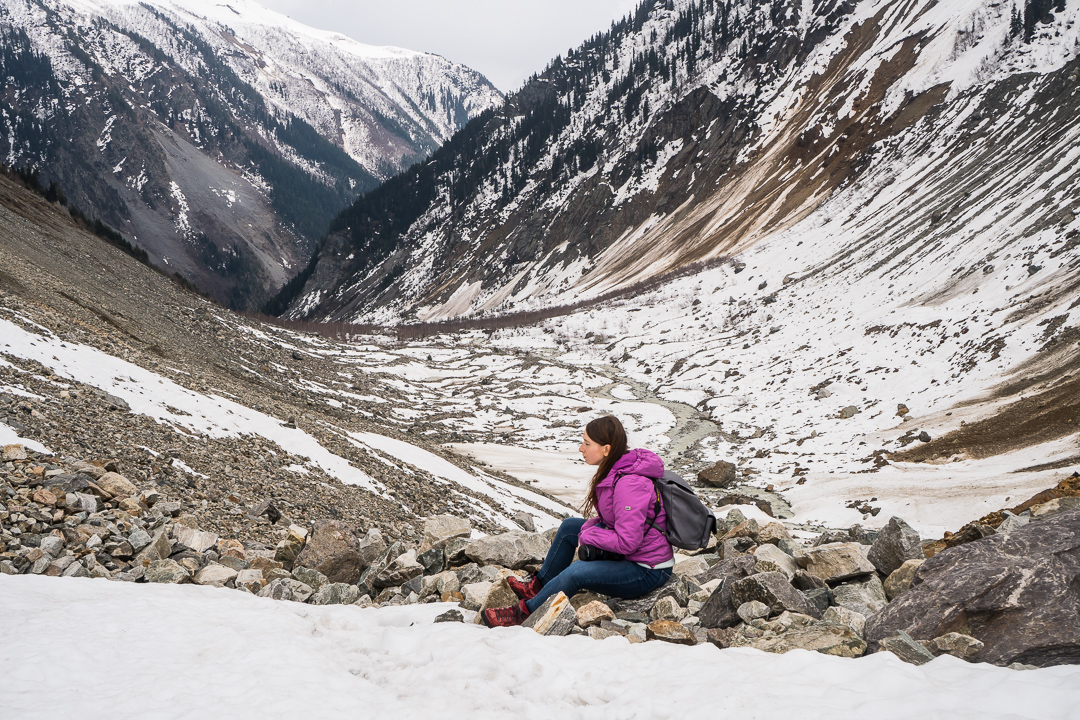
x=591 y=452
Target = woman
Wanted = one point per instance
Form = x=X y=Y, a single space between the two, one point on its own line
x=623 y=497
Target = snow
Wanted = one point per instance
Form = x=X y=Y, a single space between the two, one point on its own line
x=8 y=436
x=182 y=651
x=562 y=474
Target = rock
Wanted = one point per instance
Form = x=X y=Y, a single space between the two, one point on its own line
x=1054 y=507
x=512 y=550
x=75 y=569
x=215 y=575
x=773 y=589
x=904 y=647
x=824 y=638
x=593 y=614
x=866 y=598
x=51 y=545
x=586 y=597
x=455 y=550
x=44 y=497
x=555 y=617
x=598 y=633
x=1012 y=522
x=433 y=560
x=402 y=569
x=139 y=539
x=956 y=644
x=439 y=529
x=849 y=412
x=690 y=567
x=719 y=611
x=666 y=608
x=336 y=594
x=14 y=453
x=773 y=534
x=1016 y=593
x=924 y=437
x=735 y=567
x=901 y=578
x=166 y=571
x=130 y=506
x=267 y=509
x=747 y=529
x=287 y=589
x=836 y=562
x=160 y=548
x=231 y=548
x=335 y=551
x=84 y=502
x=669 y=631
x=721 y=637
x=901 y=410
x=312 y=578
x=896 y=543
x=475 y=594
x=772 y=559
x=451 y=615
x=291 y=546
x=525 y=521
x=752 y=611
x=821 y=597
x=250 y=580
x=721 y=474
x=842 y=616
x=733 y=518
x=675 y=587
x=197 y=540
x=169 y=508
x=117 y=485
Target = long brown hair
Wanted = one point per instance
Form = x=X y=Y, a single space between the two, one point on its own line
x=605 y=430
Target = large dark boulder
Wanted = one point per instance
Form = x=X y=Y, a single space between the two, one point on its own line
x=1018 y=593
x=895 y=544
x=335 y=551
x=773 y=589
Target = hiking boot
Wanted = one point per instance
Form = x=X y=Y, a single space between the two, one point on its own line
x=506 y=616
x=525 y=589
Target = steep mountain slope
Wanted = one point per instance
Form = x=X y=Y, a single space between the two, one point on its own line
x=695 y=130
x=221 y=138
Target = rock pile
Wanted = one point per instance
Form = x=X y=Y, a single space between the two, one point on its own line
x=755 y=586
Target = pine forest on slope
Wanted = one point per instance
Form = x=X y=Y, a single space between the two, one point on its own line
x=220 y=139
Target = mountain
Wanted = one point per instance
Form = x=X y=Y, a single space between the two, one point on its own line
x=220 y=138
x=695 y=130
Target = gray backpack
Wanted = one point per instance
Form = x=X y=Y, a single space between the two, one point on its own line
x=689 y=523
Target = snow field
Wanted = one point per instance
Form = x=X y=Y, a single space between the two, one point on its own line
x=182 y=651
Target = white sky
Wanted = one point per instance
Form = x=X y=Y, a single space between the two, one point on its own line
x=506 y=40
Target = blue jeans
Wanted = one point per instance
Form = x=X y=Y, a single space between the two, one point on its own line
x=618 y=578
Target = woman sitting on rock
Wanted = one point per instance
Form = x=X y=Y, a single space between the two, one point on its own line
x=626 y=555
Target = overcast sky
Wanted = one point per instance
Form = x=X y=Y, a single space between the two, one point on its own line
x=506 y=40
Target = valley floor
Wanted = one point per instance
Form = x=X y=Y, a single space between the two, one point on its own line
x=97 y=649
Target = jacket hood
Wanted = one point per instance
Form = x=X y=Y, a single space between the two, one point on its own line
x=637 y=462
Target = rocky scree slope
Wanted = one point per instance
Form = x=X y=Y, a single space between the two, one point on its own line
x=222 y=139
x=692 y=131
x=222 y=414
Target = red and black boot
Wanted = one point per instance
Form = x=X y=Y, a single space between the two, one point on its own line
x=527 y=589
x=507 y=616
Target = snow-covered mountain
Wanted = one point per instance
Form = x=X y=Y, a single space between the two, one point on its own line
x=220 y=137
x=697 y=129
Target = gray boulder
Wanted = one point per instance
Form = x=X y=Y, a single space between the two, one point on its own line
x=906 y=648
x=399 y=571
x=1019 y=594
x=312 y=578
x=287 y=589
x=675 y=588
x=896 y=543
x=167 y=571
x=513 y=550
x=866 y=597
x=555 y=617
x=773 y=589
x=836 y=562
x=336 y=594
x=334 y=550
x=439 y=529
x=718 y=611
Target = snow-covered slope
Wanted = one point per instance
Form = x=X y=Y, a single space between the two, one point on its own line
x=221 y=138
x=226 y=653
x=697 y=129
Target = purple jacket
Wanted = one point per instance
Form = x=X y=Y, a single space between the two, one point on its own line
x=625 y=507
